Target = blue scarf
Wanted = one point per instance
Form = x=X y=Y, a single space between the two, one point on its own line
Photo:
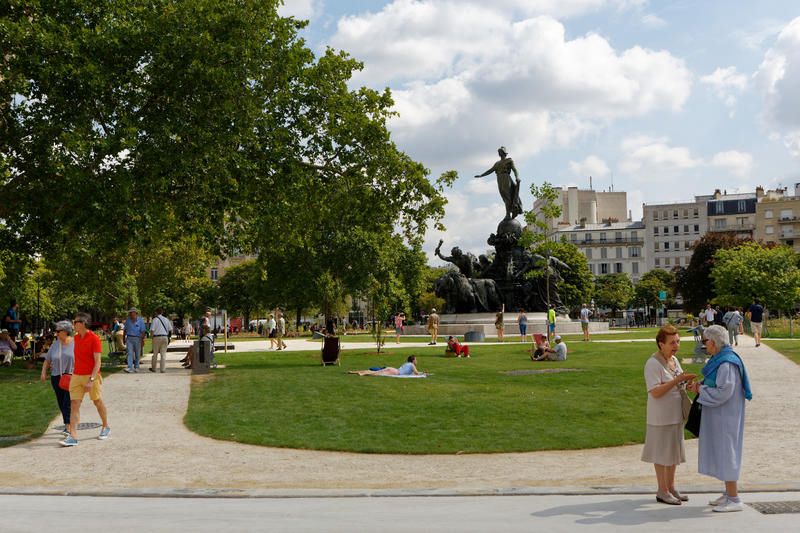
x=726 y=355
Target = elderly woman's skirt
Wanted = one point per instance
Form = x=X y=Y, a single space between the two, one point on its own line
x=663 y=445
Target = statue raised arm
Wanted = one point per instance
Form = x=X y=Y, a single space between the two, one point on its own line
x=508 y=187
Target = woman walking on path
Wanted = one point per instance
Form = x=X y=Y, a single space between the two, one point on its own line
x=722 y=394
x=60 y=358
x=663 y=444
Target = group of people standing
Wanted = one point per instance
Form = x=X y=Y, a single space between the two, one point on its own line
x=733 y=320
x=721 y=393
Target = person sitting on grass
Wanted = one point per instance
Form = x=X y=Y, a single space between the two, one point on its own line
x=408 y=369
x=456 y=347
x=7 y=347
x=540 y=345
x=556 y=353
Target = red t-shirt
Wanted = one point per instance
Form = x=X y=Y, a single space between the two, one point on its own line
x=85 y=348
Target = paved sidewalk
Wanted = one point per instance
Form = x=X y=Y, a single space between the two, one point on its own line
x=151 y=450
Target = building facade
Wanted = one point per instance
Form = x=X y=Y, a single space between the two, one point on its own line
x=733 y=213
x=671 y=230
x=611 y=247
x=777 y=218
x=588 y=206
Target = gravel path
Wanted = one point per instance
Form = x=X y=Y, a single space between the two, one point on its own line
x=150 y=448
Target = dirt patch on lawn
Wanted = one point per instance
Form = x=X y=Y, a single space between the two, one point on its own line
x=541 y=371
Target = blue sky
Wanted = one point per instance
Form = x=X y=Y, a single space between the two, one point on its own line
x=667 y=99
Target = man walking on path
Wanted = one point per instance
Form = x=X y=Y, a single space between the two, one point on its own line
x=86 y=378
x=756 y=315
x=585 y=314
x=134 y=339
x=160 y=330
x=280 y=330
x=433 y=326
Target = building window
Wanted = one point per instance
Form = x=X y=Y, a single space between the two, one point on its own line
x=603 y=253
x=591 y=268
x=666 y=262
x=675 y=213
x=677 y=245
x=602 y=237
x=655 y=230
x=634 y=235
x=666 y=230
x=769 y=230
x=655 y=246
x=618 y=236
x=697 y=228
x=685 y=213
x=618 y=268
x=741 y=206
x=634 y=251
x=685 y=229
x=719 y=223
x=619 y=253
x=588 y=253
x=786 y=214
x=604 y=268
x=696 y=213
x=635 y=267
x=665 y=215
x=666 y=246
x=719 y=207
x=655 y=215
x=676 y=229
x=588 y=237
x=686 y=245
x=658 y=261
x=768 y=213
x=214 y=274
x=573 y=237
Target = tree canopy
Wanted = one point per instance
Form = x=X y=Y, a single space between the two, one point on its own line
x=752 y=271
x=122 y=121
x=613 y=290
x=577 y=283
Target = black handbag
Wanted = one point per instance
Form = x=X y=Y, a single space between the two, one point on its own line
x=695 y=414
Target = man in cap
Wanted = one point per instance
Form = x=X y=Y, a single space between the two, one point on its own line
x=134 y=333
x=86 y=378
x=160 y=330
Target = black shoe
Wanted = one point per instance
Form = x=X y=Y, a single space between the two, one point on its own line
x=151 y=370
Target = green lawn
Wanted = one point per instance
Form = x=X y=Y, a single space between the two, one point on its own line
x=790 y=349
x=467 y=405
x=28 y=404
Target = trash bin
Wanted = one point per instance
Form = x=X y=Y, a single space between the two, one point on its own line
x=201 y=357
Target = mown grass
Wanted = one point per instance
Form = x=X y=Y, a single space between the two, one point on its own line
x=790 y=349
x=472 y=406
x=28 y=404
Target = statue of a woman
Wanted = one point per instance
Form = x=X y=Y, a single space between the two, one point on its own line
x=509 y=189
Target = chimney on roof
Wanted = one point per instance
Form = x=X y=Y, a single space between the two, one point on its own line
x=583 y=222
x=717 y=194
x=759 y=192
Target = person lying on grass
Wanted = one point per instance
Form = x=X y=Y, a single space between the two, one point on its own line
x=408 y=369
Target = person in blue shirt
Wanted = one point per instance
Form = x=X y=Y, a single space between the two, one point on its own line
x=756 y=315
x=409 y=368
x=134 y=339
x=12 y=320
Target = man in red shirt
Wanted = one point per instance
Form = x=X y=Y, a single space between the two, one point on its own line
x=86 y=378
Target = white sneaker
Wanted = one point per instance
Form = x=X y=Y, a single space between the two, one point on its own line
x=728 y=507
x=719 y=501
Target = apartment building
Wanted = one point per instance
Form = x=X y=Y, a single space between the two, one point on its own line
x=587 y=205
x=609 y=247
x=733 y=213
x=777 y=218
x=216 y=271
x=671 y=230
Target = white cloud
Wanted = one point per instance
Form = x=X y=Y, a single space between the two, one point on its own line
x=778 y=76
x=653 y=21
x=468 y=225
x=300 y=9
x=591 y=166
x=754 y=39
x=648 y=157
x=739 y=164
x=726 y=83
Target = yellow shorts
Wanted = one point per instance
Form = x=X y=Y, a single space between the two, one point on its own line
x=756 y=327
x=77 y=384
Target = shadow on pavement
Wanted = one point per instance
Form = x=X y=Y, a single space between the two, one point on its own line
x=626 y=512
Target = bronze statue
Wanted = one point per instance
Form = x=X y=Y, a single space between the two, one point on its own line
x=466 y=262
x=509 y=189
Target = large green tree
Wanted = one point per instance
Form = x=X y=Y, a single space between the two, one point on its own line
x=694 y=281
x=577 y=283
x=121 y=119
x=613 y=290
x=751 y=270
x=650 y=286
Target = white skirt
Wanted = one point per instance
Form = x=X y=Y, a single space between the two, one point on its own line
x=663 y=445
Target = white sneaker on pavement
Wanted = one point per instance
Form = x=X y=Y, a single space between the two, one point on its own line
x=719 y=501
x=728 y=507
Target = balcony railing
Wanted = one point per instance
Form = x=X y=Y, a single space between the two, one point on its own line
x=733 y=228
x=609 y=242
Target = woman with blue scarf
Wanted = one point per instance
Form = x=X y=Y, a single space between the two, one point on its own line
x=722 y=395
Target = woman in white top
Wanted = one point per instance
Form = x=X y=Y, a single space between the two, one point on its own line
x=663 y=444
x=60 y=359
